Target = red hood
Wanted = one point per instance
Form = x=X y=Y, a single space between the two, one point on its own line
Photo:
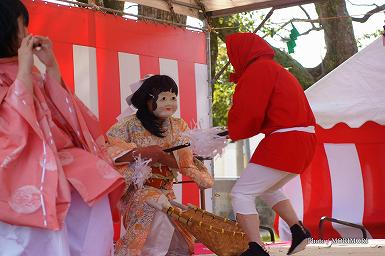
x=244 y=48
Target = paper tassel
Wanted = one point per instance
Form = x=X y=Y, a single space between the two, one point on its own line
x=206 y=142
x=142 y=172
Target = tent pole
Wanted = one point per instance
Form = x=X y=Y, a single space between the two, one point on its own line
x=206 y=27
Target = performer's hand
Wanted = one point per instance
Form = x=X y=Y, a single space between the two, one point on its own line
x=25 y=56
x=43 y=50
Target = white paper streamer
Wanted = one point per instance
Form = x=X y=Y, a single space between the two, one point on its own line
x=142 y=172
x=206 y=142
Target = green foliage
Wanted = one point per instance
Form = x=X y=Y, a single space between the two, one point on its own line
x=369 y=36
x=247 y=21
x=231 y=24
x=221 y=103
x=222 y=90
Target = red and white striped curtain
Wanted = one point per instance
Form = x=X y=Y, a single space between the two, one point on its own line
x=346 y=181
x=101 y=54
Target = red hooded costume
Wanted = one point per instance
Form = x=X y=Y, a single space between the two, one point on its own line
x=267 y=99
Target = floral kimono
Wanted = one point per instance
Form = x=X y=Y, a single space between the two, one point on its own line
x=139 y=217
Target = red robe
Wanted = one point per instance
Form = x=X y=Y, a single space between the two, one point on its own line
x=268 y=98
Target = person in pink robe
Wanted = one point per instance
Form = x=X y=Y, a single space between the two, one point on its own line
x=56 y=179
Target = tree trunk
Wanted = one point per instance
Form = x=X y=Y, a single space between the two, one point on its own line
x=214 y=54
x=160 y=14
x=113 y=4
x=339 y=34
x=97 y=2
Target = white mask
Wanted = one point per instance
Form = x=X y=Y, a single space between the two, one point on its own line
x=167 y=105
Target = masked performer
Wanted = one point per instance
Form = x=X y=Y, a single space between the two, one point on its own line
x=269 y=100
x=55 y=176
x=146 y=134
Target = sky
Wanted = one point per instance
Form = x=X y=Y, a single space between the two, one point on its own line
x=310 y=49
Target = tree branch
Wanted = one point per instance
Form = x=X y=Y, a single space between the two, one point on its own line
x=314 y=28
x=316 y=72
x=350 y=2
x=133 y=5
x=310 y=30
x=296 y=20
x=369 y=14
x=301 y=34
x=311 y=22
x=306 y=13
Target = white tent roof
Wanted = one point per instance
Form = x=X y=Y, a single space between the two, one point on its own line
x=215 y=8
x=353 y=93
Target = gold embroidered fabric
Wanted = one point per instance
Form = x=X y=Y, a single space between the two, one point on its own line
x=128 y=134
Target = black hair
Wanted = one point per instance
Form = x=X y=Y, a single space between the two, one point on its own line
x=149 y=90
x=10 y=11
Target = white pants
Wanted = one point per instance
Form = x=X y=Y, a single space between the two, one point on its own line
x=87 y=231
x=164 y=239
x=258 y=181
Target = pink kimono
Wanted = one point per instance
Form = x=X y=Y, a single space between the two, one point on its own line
x=55 y=175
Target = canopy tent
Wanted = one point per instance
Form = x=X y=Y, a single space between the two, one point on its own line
x=354 y=92
x=216 y=8
x=346 y=178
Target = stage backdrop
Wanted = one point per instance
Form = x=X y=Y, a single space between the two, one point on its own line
x=101 y=54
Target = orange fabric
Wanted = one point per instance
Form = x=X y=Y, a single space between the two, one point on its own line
x=138 y=216
x=267 y=98
x=161 y=183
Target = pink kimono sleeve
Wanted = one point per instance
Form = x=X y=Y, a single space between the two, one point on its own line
x=20 y=99
x=73 y=110
x=62 y=99
x=16 y=111
x=20 y=171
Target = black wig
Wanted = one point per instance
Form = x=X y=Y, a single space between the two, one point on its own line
x=149 y=90
x=10 y=11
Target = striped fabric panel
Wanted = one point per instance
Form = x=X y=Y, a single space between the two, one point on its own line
x=100 y=55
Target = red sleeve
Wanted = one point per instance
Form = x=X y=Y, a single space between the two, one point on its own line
x=250 y=101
